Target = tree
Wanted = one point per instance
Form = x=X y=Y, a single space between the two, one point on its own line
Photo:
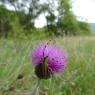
x=84 y=27
x=26 y=10
x=4 y=21
x=67 y=22
x=48 y=8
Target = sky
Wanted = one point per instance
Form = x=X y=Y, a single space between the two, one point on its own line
x=83 y=9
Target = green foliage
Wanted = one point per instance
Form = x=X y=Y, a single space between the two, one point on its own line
x=4 y=22
x=67 y=21
x=84 y=28
x=20 y=21
x=17 y=30
x=25 y=21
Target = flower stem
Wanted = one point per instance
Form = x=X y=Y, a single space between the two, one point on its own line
x=36 y=89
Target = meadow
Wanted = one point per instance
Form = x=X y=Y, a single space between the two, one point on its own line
x=77 y=79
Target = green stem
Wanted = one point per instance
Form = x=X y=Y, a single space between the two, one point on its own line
x=36 y=90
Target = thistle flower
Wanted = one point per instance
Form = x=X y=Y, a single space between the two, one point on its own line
x=48 y=60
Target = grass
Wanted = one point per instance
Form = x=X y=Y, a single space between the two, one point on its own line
x=77 y=79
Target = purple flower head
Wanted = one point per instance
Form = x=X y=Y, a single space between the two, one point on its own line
x=54 y=58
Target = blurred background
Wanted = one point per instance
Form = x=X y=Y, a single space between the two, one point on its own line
x=26 y=18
